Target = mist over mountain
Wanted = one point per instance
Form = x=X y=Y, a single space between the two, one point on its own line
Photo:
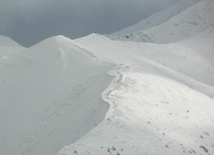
x=30 y=21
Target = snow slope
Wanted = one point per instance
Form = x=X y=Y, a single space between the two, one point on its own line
x=150 y=114
x=160 y=101
x=177 y=57
x=187 y=23
x=159 y=17
x=8 y=46
x=94 y=95
x=49 y=97
x=5 y=41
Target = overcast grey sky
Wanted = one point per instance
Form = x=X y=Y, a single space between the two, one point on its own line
x=30 y=21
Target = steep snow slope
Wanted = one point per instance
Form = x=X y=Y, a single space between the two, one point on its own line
x=192 y=21
x=49 y=97
x=151 y=115
x=154 y=107
x=159 y=17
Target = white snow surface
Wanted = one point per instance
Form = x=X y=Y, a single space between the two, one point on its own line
x=5 y=42
x=187 y=23
x=97 y=96
x=159 y=103
x=8 y=46
x=159 y=17
x=49 y=97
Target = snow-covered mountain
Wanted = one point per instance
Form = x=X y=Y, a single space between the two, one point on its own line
x=95 y=95
x=159 y=17
x=50 y=97
x=7 y=42
x=8 y=46
x=187 y=23
x=154 y=107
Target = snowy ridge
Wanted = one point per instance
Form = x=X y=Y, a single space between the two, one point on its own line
x=145 y=118
x=158 y=18
x=190 y=22
x=98 y=96
x=5 y=41
x=180 y=58
x=187 y=23
x=52 y=83
x=154 y=107
x=8 y=46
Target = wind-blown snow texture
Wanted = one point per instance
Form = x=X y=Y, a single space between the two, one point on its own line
x=54 y=95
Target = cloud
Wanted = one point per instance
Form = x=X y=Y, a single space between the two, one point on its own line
x=30 y=21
